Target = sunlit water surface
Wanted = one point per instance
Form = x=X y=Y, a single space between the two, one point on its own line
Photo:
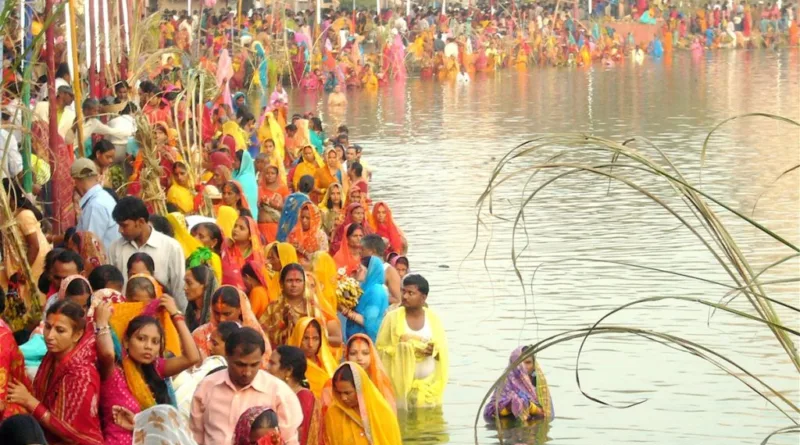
x=433 y=146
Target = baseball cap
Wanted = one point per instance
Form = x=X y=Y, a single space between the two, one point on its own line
x=83 y=168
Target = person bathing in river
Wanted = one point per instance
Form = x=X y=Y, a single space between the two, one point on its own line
x=524 y=395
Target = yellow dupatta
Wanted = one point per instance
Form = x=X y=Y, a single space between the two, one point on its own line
x=182 y=197
x=232 y=129
x=319 y=371
x=399 y=359
x=288 y=255
x=271 y=129
x=324 y=268
x=190 y=244
x=374 y=423
x=226 y=219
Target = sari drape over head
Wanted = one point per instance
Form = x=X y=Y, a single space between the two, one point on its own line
x=290 y=214
x=341 y=232
x=344 y=258
x=287 y=255
x=313 y=239
x=233 y=259
x=202 y=335
x=226 y=219
x=68 y=390
x=92 y=251
x=194 y=251
x=325 y=271
x=400 y=359
x=320 y=369
x=388 y=229
x=259 y=296
x=375 y=369
x=241 y=434
x=304 y=168
x=373 y=302
x=246 y=176
x=519 y=396
x=373 y=423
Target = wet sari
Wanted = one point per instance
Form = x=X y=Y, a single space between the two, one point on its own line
x=345 y=260
x=307 y=242
x=319 y=369
x=233 y=258
x=202 y=335
x=521 y=396
x=68 y=391
x=373 y=423
x=388 y=229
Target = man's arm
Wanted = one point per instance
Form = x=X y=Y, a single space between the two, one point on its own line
x=196 y=415
x=177 y=272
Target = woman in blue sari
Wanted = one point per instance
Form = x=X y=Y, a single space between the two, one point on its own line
x=316 y=134
x=245 y=175
x=239 y=103
x=290 y=214
x=368 y=314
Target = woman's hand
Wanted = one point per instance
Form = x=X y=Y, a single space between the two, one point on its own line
x=123 y=417
x=19 y=394
x=102 y=314
x=168 y=303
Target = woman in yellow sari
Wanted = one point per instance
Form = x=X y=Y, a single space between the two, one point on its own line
x=324 y=268
x=194 y=251
x=179 y=192
x=226 y=219
x=359 y=415
x=278 y=255
x=308 y=166
x=309 y=336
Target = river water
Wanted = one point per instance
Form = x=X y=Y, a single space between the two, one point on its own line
x=433 y=146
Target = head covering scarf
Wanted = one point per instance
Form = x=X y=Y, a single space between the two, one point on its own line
x=518 y=396
x=244 y=426
x=344 y=259
x=126 y=311
x=375 y=369
x=226 y=219
x=323 y=203
x=209 y=287
x=374 y=419
x=234 y=104
x=321 y=368
x=387 y=229
x=233 y=259
x=287 y=255
x=308 y=240
x=324 y=268
x=304 y=167
x=101 y=296
x=220 y=159
x=194 y=251
x=259 y=296
x=62 y=291
x=290 y=214
x=91 y=251
x=373 y=302
x=246 y=176
x=162 y=424
x=244 y=200
x=202 y=335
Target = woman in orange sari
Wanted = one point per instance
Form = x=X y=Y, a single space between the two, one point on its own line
x=307 y=167
x=331 y=173
x=228 y=304
x=355 y=214
x=349 y=255
x=309 y=336
x=244 y=244
x=307 y=237
x=384 y=225
x=254 y=275
x=233 y=196
x=271 y=194
x=361 y=350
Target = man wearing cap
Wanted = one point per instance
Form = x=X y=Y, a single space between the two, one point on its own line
x=96 y=204
x=66 y=116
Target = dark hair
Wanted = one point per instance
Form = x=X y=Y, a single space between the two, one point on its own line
x=161 y=224
x=104 y=275
x=343 y=130
x=351 y=229
x=157 y=385
x=245 y=117
x=101 y=146
x=68 y=256
x=214 y=231
x=140 y=283
x=201 y=274
x=266 y=420
x=290 y=267
x=90 y=103
x=130 y=208
x=70 y=309
x=306 y=184
x=417 y=280
x=246 y=340
x=2 y=301
x=248 y=271
x=21 y=201
x=144 y=258
x=374 y=243
x=228 y=295
x=21 y=429
x=358 y=169
x=226 y=328
x=63 y=69
x=120 y=85
x=402 y=260
x=316 y=123
x=78 y=287
x=291 y=127
x=344 y=374
x=148 y=86
x=71 y=234
x=179 y=164
x=294 y=359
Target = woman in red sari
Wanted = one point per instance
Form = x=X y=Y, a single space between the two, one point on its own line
x=384 y=225
x=67 y=385
x=244 y=245
x=355 y=214
x=12 y=368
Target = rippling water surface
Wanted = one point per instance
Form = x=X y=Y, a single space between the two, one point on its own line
x=432 y=147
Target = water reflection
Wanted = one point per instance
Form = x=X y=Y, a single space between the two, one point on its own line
x=424 y=426
x=432 y=147
x=516 y=432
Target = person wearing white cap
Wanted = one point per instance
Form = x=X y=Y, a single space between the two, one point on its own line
x=96 y=203
x=64 y=98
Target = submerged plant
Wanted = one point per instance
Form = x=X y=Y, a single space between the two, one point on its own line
x=564 y=156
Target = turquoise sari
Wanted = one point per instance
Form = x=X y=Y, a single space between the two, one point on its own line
x=246 y=176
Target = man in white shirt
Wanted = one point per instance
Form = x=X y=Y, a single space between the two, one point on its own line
x=93 y=125
x=125 y=124
x=139 y=236
x=9 y=149
x=66 y=118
